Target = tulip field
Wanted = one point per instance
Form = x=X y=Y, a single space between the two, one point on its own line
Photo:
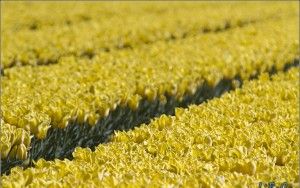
x=149 y=94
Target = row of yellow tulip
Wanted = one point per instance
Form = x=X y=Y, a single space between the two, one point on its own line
x=104 y=30
x=245 y=137
x=35 y=98
x=35 y=15
x=14 y=142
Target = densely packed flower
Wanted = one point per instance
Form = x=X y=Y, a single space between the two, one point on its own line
x=40 y=38
x=36 y=98
x=245 y=137
x=72 y=78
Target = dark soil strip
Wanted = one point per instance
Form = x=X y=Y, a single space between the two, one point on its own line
x=60 y=143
